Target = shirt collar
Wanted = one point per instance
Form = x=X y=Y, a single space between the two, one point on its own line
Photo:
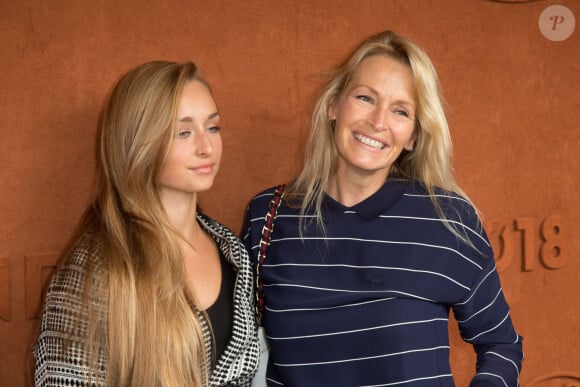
x=374 y=205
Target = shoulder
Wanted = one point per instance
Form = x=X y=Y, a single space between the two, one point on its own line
x=215 y=226
x=450 y=208
x=70 y=297
x=259 y=203
x=453 y=205
x=82 y=259
x=264 y=195
x=221 y=232
x=76 y=284
x=419 y=189
x=84 y=252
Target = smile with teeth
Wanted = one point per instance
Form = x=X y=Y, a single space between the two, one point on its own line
x=369 y=141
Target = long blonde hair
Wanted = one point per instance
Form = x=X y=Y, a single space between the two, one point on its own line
x=151 y=335
x=430 y=160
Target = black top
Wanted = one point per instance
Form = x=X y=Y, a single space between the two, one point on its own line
x=221 y=312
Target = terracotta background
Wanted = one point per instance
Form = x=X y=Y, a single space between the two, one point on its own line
x=514 y=109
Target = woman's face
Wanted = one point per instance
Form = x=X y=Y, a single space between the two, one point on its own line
x=375 y=117
x=194 y=156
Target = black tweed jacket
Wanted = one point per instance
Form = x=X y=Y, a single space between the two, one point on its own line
x=64 y=321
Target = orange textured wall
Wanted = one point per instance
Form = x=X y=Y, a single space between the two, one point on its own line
x=514 y=109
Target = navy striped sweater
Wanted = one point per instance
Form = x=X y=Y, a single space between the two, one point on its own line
x=367 y=303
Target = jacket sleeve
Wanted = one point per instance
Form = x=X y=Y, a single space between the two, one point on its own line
x=60 y=350
x=247 y=233
x=253 y=223
x=484 y=321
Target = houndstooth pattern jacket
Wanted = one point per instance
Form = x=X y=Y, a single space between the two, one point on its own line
x=64 y=322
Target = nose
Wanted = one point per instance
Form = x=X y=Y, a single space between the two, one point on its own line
x=203 y=146
x=378 y=119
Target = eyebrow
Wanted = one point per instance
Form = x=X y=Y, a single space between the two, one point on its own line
x=189 y=119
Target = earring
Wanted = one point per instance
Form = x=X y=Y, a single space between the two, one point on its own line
x=410 y=147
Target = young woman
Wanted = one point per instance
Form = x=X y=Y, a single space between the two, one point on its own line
x=151 y=292
x=374 y=243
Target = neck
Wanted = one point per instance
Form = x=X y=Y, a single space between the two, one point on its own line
x=351 y=190
x=181 y=210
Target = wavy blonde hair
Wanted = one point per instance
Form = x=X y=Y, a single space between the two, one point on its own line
x=430 y=160
x=150 y=333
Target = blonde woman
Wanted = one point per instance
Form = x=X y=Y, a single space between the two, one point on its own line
x=151 y=292
x=374 y=243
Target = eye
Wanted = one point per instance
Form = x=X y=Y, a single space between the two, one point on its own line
x=364 y=98
x=402 y=113
x=214 y=129
x=183 y=134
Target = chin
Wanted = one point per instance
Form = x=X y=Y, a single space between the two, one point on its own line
x=203 y=187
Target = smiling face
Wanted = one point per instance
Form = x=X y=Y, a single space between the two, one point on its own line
x=194 y=156
x=375 y=118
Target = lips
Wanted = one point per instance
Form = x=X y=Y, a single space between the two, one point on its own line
x=204 y=169
x=369 y=141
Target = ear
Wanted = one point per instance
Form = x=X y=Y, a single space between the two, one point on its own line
x=331 y=113
x=410 y=145
x=332 y=110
